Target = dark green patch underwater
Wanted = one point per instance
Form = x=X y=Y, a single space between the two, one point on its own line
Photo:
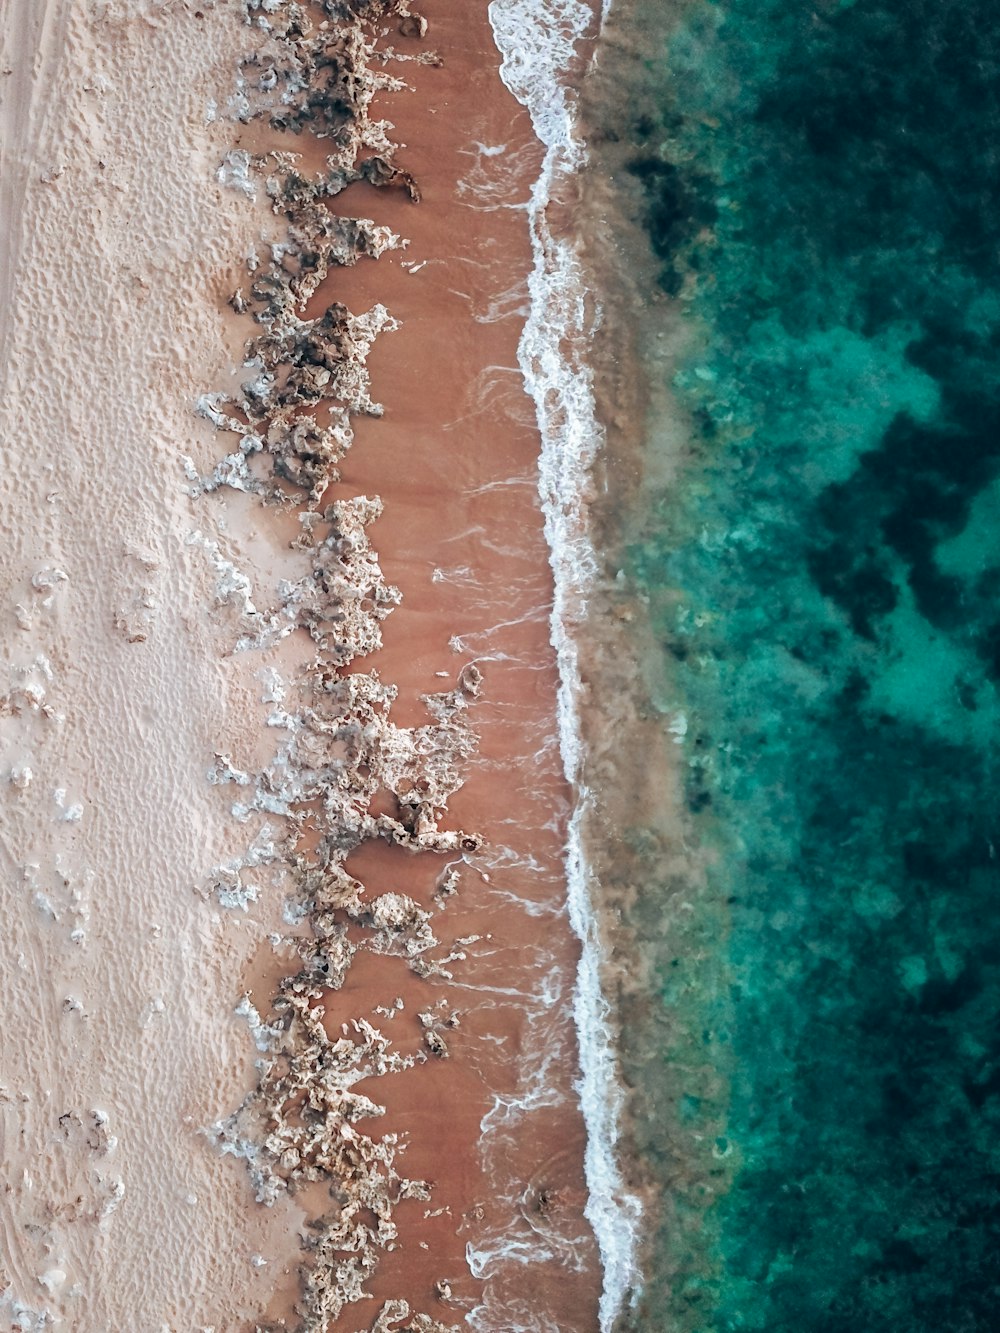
x=823 y=192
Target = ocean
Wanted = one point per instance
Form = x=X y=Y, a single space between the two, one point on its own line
x=789 y=239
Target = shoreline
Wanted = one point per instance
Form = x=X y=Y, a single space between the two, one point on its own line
x=516 y=1274
x=556 y=357
x=253 y=614
x=652 y=859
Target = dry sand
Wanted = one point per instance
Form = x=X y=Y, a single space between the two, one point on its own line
x=120 y=971
x=117 y=983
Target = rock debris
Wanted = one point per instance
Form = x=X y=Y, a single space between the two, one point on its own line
x=342 y=771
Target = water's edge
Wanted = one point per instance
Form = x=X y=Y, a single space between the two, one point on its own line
x=537 y=40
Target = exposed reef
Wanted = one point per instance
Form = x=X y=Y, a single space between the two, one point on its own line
x=310 y=376
x=343 y=773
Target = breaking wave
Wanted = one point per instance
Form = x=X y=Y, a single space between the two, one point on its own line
x=537 y=41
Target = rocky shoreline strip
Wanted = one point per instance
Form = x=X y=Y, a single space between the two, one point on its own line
x=344 y=773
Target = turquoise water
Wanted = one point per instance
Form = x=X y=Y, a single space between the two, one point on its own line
x=819 y=1076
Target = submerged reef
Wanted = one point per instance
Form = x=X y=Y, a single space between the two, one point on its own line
x=817 y=1062
x=343 y=774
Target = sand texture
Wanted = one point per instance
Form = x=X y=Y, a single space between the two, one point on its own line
x=117 y=982
x=283 y=812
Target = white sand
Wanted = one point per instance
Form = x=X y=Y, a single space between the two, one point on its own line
x=117 y=976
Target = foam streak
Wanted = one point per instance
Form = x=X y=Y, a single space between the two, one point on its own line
x=537 y=39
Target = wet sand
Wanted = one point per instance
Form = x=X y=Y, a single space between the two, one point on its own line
x=454 y=460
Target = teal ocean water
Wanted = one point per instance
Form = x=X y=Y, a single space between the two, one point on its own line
x=817 y=1073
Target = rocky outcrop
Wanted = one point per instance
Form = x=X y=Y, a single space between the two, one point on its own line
x=342 y=768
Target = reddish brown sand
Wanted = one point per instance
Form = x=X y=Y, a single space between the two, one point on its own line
x=454 y=459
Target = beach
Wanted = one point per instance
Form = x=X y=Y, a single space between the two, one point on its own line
x=208 y=804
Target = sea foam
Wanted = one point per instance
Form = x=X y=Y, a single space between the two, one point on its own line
x=537 y=41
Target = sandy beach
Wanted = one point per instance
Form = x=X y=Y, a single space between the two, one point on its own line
x=136 y=920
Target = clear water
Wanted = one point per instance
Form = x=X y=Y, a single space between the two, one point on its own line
x=817 y=1074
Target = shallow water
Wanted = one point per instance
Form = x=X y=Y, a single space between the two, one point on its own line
x=816 y=1072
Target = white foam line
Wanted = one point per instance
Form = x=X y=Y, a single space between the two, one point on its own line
x=536 y=39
